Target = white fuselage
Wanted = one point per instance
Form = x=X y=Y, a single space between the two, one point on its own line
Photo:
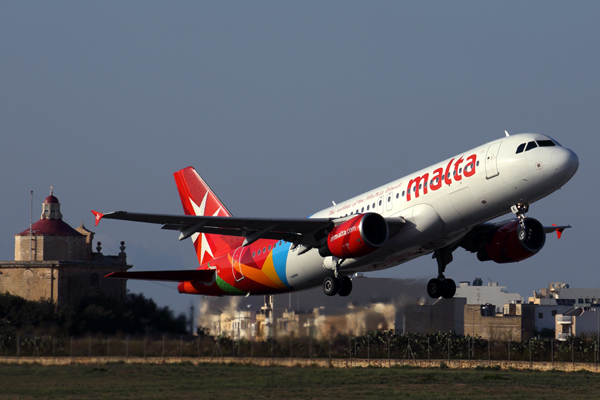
x=444 y=202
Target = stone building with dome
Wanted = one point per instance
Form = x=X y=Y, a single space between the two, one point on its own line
x=56 y=262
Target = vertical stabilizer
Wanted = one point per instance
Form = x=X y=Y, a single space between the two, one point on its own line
x=198 y=199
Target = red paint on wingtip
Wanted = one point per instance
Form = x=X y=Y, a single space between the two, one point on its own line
x=98 y=216
x=558 y=231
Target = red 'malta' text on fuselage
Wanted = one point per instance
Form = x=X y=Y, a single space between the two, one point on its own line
x=455 y=170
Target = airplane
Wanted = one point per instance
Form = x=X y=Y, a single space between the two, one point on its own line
x=432 y=211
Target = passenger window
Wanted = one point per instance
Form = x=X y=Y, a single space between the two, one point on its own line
x=531 y=145
x=397 y=195
x=368 y=208
x=521 y=148
x=545 y=143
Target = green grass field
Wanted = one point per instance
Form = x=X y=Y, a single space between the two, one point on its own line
x=224 y=382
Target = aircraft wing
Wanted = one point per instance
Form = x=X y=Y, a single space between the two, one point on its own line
x=475 y=239
x=305 y=231
x=250 y=228
x=556 y=228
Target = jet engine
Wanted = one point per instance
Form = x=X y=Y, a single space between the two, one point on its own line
x=356 y=237
x=512 y=243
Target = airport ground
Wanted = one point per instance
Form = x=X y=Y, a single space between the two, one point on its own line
x=120 y=380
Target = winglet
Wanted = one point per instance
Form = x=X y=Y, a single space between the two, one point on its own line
x=559 y=230
x=98 y=216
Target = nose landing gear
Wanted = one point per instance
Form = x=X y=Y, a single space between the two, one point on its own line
x=520 y=209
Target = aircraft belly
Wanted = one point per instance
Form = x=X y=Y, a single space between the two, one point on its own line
x=305 y=270
x=423 y=229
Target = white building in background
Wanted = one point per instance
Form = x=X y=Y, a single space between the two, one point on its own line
x=575 y=310
x=560 y=293
x=476 y=293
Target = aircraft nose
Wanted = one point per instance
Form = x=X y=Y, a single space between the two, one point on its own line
x=565 y=162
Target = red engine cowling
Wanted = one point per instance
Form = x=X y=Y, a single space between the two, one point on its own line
x=356 y=237
x=511 y=243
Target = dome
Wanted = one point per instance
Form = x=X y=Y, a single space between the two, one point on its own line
x=51 y=227
x=51 y=200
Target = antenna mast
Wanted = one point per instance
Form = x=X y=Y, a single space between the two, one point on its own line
x=30 y=225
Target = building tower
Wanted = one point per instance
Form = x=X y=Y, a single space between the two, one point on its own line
x=53 y=261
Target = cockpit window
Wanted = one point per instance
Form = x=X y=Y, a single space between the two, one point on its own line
x=521 y=148
x=545 y=143
x=531 y=145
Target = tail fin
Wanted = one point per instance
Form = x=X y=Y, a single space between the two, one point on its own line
x=198 y=199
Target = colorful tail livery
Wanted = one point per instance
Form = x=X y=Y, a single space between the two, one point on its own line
x=434 y=210
x=198 y=199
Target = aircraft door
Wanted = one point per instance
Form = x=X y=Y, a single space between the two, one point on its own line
x=380 y=201
x=236 y=265
x=389 y=200
x=491 y=160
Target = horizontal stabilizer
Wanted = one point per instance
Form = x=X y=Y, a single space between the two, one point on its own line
x=204 y=276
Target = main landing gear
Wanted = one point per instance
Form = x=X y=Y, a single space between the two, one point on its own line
x=440 y=286
x=337 y=284
x=341 y=285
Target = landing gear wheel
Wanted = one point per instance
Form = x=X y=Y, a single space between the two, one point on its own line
x=448 y=288
x=331 y=286
x=345 y=286
x=434 y=288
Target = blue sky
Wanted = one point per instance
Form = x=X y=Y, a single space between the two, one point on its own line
x=285 y=106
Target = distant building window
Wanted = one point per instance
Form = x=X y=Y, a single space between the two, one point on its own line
x=580 y=301
x=554 y=312
x=540 y=315
x=94 y=280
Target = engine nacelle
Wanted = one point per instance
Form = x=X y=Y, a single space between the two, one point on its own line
x=512 y=244
x=356 y=237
